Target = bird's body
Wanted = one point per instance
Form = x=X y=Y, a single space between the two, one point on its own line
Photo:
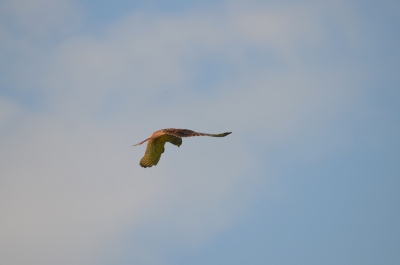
x=157 y=140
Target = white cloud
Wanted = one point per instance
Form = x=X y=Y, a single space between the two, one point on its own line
x=282 y=28
x=61 y=188
x=67 y=191
x=145 y=55
x=8 y=110
x=70 y=185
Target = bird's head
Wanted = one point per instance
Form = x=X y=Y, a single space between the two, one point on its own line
x=177 y=141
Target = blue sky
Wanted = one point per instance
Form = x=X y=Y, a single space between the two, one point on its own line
x=310 y=90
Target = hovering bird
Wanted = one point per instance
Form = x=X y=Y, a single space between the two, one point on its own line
x=156 y=142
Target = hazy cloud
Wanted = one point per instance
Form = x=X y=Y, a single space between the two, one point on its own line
x=71 y=185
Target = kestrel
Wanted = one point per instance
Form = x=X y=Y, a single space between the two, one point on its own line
x=156 y=142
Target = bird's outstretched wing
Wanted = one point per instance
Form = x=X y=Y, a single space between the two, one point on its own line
x=189 y=133
x=154 y=149
x=153 y=153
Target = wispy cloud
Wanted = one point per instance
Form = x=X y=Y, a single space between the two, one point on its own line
x=70 y=181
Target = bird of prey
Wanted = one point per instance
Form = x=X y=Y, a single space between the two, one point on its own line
x=157 y=140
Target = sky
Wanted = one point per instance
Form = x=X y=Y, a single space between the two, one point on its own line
x=310 y=90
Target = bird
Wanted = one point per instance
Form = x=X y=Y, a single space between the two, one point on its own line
x=157 y=140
